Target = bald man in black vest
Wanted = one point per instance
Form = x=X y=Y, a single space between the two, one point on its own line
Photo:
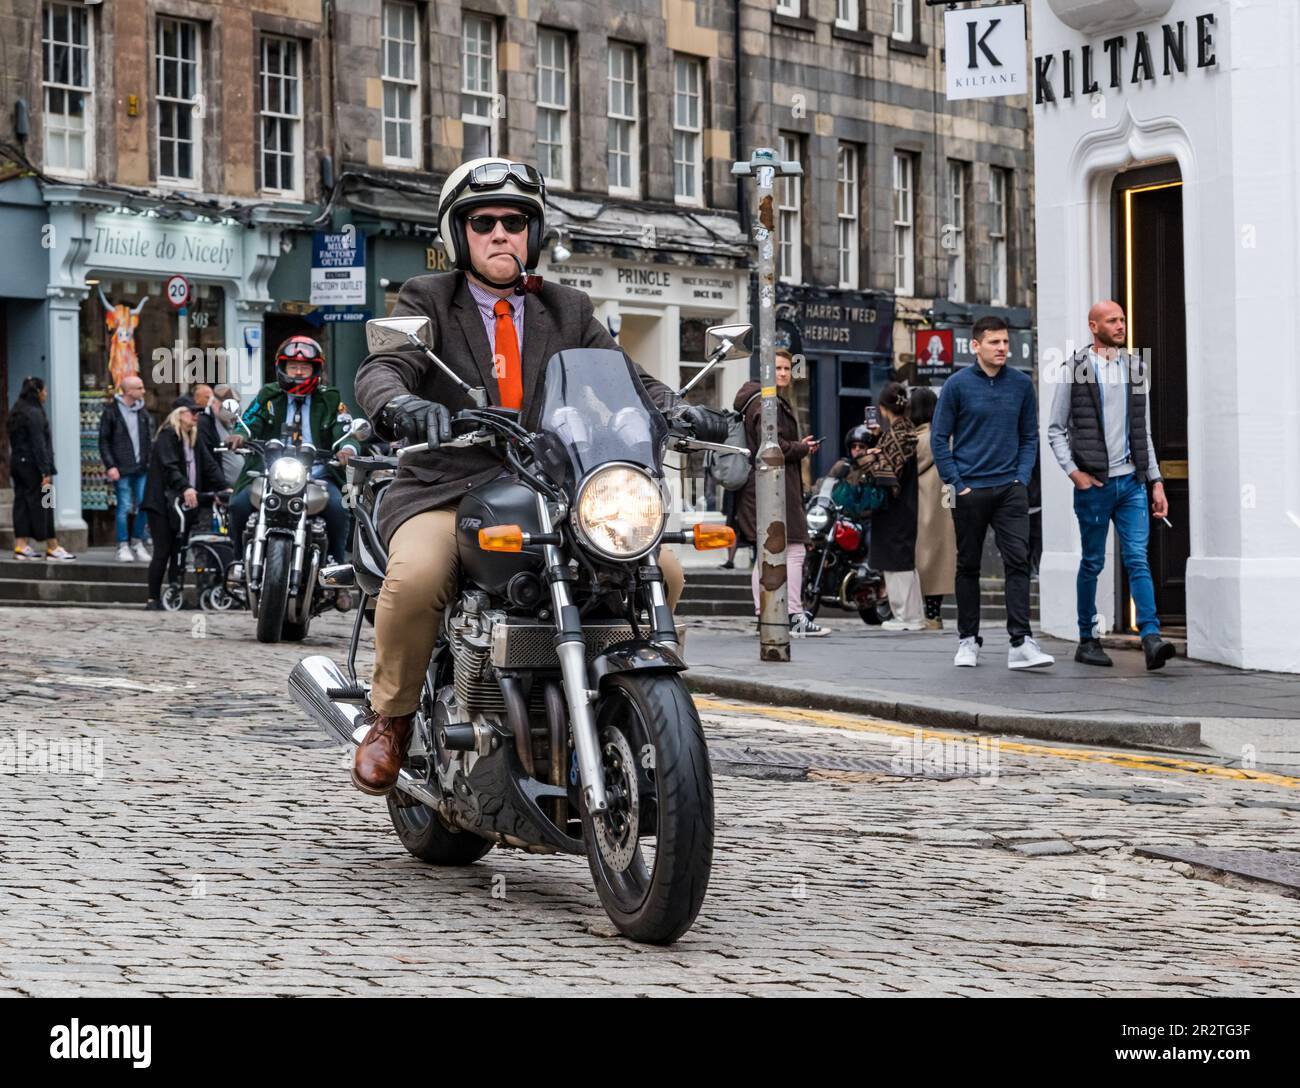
x=1100 y=432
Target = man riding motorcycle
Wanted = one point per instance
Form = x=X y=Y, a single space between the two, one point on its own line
x=495 y=324
x=298 y=397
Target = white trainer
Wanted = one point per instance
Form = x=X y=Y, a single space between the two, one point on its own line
x=124 y=553
x=141 y=552
x=899 y=625
x=1028 y=655
x=968 y=653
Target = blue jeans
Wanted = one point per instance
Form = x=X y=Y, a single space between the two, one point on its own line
x=130 y=494
x=1122 y=499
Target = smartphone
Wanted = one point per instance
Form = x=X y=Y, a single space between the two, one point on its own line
x=870 y=416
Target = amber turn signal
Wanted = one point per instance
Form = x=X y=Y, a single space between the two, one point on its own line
x=501 y=538
x=713 y=536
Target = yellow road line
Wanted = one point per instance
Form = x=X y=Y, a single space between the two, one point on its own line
x=1134 y=760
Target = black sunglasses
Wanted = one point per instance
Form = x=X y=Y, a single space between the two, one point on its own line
x=515 y=223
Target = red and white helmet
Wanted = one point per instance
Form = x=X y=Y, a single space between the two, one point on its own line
x=300 y=349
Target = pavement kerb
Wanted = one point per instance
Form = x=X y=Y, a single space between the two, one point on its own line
x=1137 y=731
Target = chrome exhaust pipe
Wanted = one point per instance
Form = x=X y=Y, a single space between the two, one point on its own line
x=312 y=678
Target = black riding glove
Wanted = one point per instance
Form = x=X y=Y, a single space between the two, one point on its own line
x=706 y=424
x=416 y=420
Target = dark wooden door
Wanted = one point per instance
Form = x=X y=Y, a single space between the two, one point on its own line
x=4 y=397
x=1152 y=275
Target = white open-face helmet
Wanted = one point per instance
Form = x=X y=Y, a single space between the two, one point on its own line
x=482 y=183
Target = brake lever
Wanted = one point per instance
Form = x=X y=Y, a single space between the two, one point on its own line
x=683 y=444
x=475 y=439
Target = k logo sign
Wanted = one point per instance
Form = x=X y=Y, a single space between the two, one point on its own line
x=986 y=51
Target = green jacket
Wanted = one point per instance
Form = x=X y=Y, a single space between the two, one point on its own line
x=265 y=419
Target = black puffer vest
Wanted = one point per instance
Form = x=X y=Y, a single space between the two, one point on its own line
x=1087 y=434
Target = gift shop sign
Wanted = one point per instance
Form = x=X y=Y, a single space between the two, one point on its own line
x=338 y=269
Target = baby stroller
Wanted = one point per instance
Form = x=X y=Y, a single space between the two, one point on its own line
x=207 y=554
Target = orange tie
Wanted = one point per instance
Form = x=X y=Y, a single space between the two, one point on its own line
x=509 y=377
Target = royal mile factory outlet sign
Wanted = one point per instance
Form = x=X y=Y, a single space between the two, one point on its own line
x=1125 y=58
x=139 y=244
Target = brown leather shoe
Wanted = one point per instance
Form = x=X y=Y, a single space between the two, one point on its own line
x=379 y=756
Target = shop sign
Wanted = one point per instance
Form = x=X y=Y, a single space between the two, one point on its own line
x=138 y=244
x=934 y=353
x=1019 y=355
x=338 y=268
x=834 y=320
x=1132 y=60
x=666 y=285
x=985 y=51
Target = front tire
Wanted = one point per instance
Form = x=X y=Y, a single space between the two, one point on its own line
x=273 y=600
x=426 y=837
x=813 y=574
x=660 y=786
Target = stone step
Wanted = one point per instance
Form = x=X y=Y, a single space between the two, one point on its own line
x=71 y=591
x=80 y=570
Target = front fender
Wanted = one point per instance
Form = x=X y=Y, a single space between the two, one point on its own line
x=634 y=657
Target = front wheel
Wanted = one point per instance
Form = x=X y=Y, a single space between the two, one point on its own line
x=810 y=593
x=426 y=837
x=651 y=853
x=273 y=600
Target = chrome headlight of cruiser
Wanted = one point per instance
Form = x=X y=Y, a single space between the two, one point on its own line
x=819 y=519
x=288 y=475
x=620 y=511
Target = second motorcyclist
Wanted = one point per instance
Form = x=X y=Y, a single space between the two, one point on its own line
x=299 y=402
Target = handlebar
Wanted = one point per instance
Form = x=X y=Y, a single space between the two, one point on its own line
x=476 y=438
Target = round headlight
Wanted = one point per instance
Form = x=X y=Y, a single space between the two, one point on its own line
x=288 y=475
x=818 y=519
x=620 y=512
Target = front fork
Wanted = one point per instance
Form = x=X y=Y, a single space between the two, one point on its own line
x=571 y=649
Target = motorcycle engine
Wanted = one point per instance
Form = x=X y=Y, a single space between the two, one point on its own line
x=469 y=632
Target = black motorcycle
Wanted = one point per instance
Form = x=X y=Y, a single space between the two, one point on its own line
x=835 y=568
x=285 y=539
x=554 y=718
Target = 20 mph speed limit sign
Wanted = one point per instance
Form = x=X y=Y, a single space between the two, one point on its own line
x=178 y=291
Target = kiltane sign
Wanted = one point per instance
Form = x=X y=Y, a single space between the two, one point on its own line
x=985 y=51
x=1132 y=60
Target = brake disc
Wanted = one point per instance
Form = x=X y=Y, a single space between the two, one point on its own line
x=616 y=830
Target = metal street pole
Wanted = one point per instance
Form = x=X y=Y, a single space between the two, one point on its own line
x=769 y=464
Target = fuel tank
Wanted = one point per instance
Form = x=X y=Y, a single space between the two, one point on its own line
x=503 y=501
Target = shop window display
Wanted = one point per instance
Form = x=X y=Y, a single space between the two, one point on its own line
x=125 y=327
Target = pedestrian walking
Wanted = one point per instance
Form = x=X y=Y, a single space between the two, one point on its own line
x=984 y=438
x=1100 y=432
x=180 y=466
x=794 y=449
x=31 y=468
x=125 y=436
x=891 y=466
x=936 y=547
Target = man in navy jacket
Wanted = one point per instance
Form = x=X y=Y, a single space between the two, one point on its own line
x=985 y=441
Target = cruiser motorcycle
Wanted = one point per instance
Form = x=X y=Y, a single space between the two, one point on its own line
x=554 y=718
x=835 y=570
x=285 y=539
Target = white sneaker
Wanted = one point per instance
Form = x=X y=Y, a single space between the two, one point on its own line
x=968 y=653
x=124 y=553
x=803 y=626
x=1028 y=656
x=899 y=625
x=141 y=552
x=59 y=555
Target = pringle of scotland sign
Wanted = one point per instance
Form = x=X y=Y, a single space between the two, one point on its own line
x=1133 y=59
x=985 y=51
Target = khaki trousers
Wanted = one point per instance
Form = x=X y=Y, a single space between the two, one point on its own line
x=420 y=581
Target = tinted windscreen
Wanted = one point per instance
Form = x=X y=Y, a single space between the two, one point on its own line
x=596 y=408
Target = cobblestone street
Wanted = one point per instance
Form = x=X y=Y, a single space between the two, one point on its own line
x=220 y=849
